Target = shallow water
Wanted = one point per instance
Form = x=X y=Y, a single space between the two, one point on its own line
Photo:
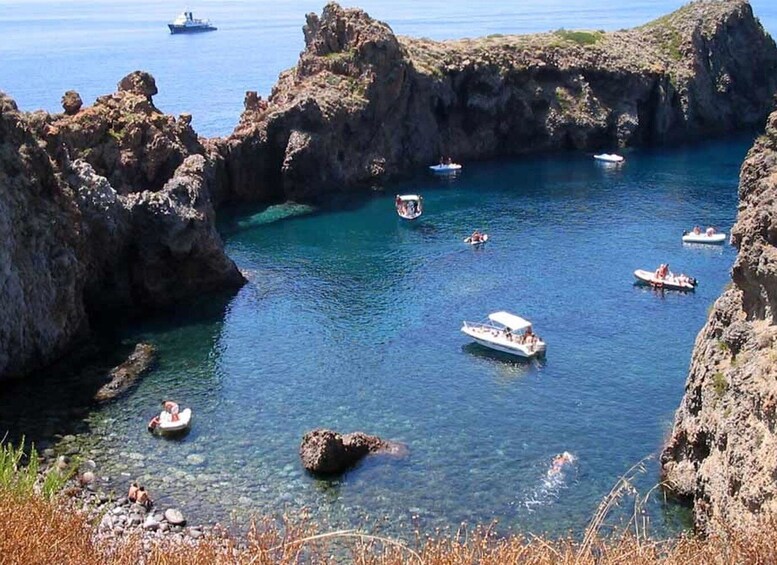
x=351 y=319
x=351 y=316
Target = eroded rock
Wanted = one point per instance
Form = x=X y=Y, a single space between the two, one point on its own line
x=327 y=452
x=71 y=102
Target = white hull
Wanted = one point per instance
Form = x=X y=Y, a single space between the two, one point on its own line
x=451 y=168
x=481 y=241
x=609 y=158
x=498 y=342
x=704 y=238
x=167 y=425
x=672 y=283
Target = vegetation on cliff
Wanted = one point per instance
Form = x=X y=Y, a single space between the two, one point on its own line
x=722 y=453
x=363 y=104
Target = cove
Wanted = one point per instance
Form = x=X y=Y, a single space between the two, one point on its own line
x=351 y=318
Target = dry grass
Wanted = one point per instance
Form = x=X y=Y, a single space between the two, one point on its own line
x=36 y=529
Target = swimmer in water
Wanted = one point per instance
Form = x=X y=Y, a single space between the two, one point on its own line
x=559 y=461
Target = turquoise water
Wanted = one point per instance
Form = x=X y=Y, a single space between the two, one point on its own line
x=351 y=319
x=48 y=47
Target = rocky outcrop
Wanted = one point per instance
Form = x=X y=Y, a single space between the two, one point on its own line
x=124 y=376
x=71 y=102
x=106 y=209
x=722 y=453
x=363 y=104
x=326 y=452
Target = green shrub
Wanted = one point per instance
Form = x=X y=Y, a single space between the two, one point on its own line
x=579 y=37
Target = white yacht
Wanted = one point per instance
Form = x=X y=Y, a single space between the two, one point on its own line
x=507 y=333
x=187 y=23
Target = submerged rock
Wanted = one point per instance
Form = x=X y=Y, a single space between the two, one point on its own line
x=123 y=377
x=327 y=452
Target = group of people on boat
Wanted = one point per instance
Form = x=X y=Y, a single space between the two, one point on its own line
x=708 y=232
x=663 y=273
x=476 y=237
x=445 y=160
x=408 y=207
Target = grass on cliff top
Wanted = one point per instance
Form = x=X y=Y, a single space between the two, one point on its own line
x=37 y=529
x=580 y=37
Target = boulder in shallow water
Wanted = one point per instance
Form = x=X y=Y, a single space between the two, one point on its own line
x=327 y=452
x=127 y=374
x=174 y=517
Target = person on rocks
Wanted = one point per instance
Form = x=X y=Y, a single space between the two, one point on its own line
x=132 y=495
x=143 y=498
x=171 y=408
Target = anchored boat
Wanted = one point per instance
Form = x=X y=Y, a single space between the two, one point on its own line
x=445 y=168
x=708 y=236
x=669 y=280
x=165 y=424
x=507 y=333
x=187 y=23
x=409 y=206
x=609 y=158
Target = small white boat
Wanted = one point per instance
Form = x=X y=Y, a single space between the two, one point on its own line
x=609 y=158
x=445 y=168
x=669 y=281
x=165 y=424
x=409 y=206
x=507 y=333
x=477 y=241
x=704 y=237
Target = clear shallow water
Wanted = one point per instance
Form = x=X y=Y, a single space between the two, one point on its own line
x=351 y=318
x=48 y=47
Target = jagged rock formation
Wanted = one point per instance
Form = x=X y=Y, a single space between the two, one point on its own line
x=327 y=452
x=722 y=453
x=363 y=103
x=108 y=208
x=111 y=206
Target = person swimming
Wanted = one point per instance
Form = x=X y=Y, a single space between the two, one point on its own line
x=559 y=462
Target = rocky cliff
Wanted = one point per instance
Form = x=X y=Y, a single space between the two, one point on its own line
x=722 y=454
x=363 y=104
x=101 y=208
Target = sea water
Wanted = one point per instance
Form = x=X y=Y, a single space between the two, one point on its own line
x=350 y=318
x=48 y=47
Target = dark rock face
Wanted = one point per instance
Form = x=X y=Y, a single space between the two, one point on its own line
x=123 y=377
x=722 y=453
x=106 y=209
x=327 y=452
x=71 y=102
x=363 y=104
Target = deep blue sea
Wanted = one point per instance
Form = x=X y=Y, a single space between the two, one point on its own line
x=351 y=316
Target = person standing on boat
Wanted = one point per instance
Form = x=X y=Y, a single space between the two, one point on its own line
x=171 y=408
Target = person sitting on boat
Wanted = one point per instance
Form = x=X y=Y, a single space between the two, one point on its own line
x=171 y=408
x=508 y=334
x=710 y=231
x=475 y=237
x=696 y=230
x=449 y=161
x=662 y=270
x=398 y=201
